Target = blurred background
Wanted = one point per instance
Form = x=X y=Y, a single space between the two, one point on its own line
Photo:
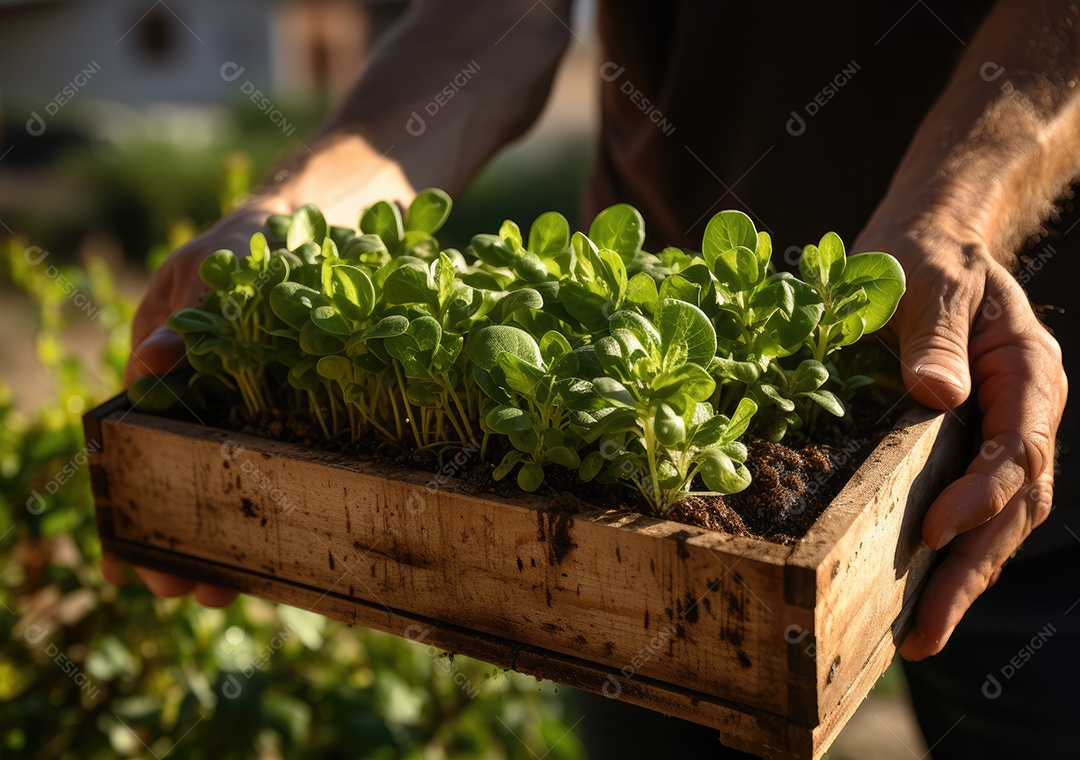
x=120 y=140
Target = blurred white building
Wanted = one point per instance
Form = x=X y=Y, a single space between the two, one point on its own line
x=173 y=51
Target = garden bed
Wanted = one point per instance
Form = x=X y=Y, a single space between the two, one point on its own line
x=773 y=645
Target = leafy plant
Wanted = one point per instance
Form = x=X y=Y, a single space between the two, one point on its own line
x=88 y=670
x=573 y=351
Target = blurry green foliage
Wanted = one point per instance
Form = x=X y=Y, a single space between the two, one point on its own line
x=90 y=671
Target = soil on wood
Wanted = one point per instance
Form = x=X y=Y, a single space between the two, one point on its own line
x=792 y=483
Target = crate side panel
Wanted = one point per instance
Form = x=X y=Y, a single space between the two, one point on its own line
x=652 y=599
x=871 y=572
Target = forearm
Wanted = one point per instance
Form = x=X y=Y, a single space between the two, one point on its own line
x=1003 y=141
x=449 y=86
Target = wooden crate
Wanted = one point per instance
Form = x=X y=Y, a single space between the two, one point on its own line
x=773 y=646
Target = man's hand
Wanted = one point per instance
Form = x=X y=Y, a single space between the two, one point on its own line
x=964 y=324
x=158 y=351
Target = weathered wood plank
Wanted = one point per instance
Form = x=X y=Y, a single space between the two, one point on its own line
x=505 y=567
x=774 y=646
x=868 y=555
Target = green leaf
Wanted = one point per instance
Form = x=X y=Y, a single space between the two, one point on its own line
x=362 y=246
x=730 y=369
x=530 y=476
x=511 y=233
x=691 y=380
x=444 y=274
x=316 y=342
x=686 y=334
x=308 y=226
x=512 y=459
x=520 y=376
x=772 y=394
x=822 y=265
x=336 y=368
x=387 y=327
x=508 y=419
x=488 y=385
x=549 y=234
x=217 y=270
x=740 y=421
x=384 y=219
x=720 y=473
x=553 y=345
x=429 y=211
x=525 y=298
x=354 y=294
x=809 y=376
x=642 y=293
x=725 y=232
x=328 y=319
x=738 y=269
x=669 y=426
x=565 y=456
x=277 y=225
x=614 y=391
x=489 y=342
x=882 y=277
x=524 y=440
x=828 y=401
x=410 y=285
x=619 y=228
x=764 y=248
x=493 y=250
x=589 y=309
x=640 y=327
x=612 y=272
x=258 y=248
x=293 y=302
x=195 y=321
x=590 y=466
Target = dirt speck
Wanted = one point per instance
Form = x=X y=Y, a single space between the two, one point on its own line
x=691 y=614
x=553 y=528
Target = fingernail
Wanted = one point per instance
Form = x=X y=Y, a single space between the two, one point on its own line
x=155 y=336
x=946 y=536
x=938 y=374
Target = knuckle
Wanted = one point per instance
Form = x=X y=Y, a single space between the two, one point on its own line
x=1040 y=502
x=1038 y=448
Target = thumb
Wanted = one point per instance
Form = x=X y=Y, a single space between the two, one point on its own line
x=934 y=355
x=160 y=353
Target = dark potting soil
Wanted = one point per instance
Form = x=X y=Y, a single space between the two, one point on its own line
x=792 y=482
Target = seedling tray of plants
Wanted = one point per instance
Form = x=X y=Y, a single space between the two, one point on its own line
x=579 y=365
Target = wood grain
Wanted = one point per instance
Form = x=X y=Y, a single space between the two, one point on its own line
x=687 y=621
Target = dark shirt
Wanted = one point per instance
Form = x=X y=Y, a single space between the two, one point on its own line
x=797 y=114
